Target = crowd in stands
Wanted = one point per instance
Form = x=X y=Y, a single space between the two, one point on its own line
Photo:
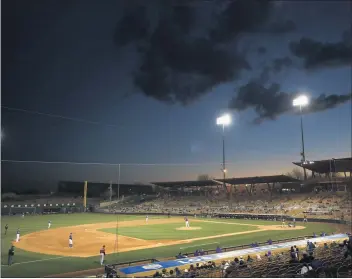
x=327 y=260
x=323 y=205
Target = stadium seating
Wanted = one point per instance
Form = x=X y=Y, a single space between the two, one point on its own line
x=332 y=262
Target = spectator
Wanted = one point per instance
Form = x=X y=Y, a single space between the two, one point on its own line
x=297 y=251
x=307 y=269
x=305 y=258
x=293 y=259
x=326 y=246
x=311 y=257
x=258 y=257
x=177 y=272
x=249 y=259
x=171 y=273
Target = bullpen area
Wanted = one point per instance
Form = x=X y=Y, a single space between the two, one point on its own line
x=44 y=251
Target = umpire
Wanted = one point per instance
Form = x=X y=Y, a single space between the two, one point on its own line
x=11 y=254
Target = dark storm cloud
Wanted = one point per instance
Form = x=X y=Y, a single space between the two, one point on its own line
x=133 y=26
x=240 y=17
x=319 y=55
x=178 y=70
x=280 y=27
x=277 y=66
x=270 y=102
x=262 y=50
x=184 y=17
x=179 y=65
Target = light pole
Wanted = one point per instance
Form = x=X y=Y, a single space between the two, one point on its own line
x=300 y=102
x=224 y=121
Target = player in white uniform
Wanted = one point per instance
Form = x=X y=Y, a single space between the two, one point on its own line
x=146 y=219
x=187 y=223
x=70 y=241
x=18 y=235
x=102 y=255
x=49 y=224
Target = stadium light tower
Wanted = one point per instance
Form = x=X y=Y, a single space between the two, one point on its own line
x=300 y=102
x=223 y=121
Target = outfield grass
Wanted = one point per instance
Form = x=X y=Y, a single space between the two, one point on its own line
x=170 y=232
x=29 y=264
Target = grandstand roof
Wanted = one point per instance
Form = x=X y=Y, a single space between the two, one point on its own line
x=233 y=181
x=260 y=179
x=327 y=166
x=197 y=183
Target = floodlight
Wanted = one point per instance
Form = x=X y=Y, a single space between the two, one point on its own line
x=301 y=101
x=223 y=120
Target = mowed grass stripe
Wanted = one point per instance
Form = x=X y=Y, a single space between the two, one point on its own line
x=170 y=232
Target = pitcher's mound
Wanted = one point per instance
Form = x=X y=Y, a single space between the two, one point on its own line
x=188 y=229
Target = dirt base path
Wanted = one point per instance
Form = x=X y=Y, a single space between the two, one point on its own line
x=87 y=239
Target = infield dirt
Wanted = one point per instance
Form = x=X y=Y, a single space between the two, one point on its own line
x=88 y=239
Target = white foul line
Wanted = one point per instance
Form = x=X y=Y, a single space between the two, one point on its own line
x=43 y=260
x=198 y=245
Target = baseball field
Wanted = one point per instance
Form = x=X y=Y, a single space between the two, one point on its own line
x=44 y=252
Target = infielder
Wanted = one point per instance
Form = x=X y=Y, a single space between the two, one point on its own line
x=187 y=223
x=22 y=215
x=146 y=219
x=70 y=241
x=283 y=223
x=305 y=219
x=18 y=235
x=102 y=254
x=49 y=224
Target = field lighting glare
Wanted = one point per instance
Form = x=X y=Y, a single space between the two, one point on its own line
x=300 y=101
x=224 y=120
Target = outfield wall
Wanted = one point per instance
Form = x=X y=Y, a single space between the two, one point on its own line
x=232 y=216
x=41 y=208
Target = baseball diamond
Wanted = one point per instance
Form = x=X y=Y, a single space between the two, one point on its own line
x=45 y=252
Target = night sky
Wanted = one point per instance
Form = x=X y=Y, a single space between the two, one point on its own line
x=145 y=81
